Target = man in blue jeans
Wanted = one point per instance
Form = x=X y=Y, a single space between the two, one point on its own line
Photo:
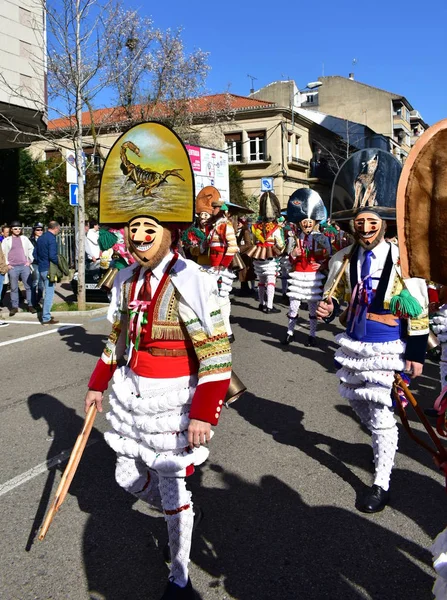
x=44 y=253
x=18 y=251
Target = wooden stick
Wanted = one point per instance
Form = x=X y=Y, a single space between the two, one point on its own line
x=409 y=396
x=341 y=272
x=70 y=469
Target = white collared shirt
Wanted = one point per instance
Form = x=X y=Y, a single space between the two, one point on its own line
x=157 y=274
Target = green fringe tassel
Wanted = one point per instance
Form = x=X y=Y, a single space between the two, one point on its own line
x=106 y=239
x=405 y=305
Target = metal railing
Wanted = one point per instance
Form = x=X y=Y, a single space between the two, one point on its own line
x=65 y=242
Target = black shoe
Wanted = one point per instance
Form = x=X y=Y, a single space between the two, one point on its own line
x=32 y=310
x=262 y=307
x=286 y=341
x=198 y=518
x=375 y=500
x=175 y=592
x=272 y=311
x=231 y=338
x=311 y=343
x=13 y=311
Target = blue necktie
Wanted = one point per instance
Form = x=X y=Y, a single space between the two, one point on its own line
x=364 y=295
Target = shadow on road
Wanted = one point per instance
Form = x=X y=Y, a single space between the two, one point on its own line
x=78 y=340
x=262 y=542
x=410 y=490
x=121 y=548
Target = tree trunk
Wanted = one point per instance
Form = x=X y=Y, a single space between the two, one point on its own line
x=80 y=165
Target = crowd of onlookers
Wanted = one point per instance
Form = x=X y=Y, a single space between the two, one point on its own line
x=28 y=260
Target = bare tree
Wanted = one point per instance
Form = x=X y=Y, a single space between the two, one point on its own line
x=101 y=47
x=79 y=35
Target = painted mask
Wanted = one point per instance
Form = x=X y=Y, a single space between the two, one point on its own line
x=204 y=217
x=307 y=225
x=369 y=229
x=147 y=239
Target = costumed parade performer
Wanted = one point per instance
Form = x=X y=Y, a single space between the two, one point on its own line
x=422 y=226
x=387 y=319
x=306 y=279
x=222 y=250
x=269 y=244
x=289 y=240
x=195 y=238
x=165 y=315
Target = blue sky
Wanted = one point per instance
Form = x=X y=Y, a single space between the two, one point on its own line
x=398 y=46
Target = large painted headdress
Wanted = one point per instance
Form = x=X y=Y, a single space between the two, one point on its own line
x=208 y=199
x=147 y=172
x=422 y=207
x=367 y=180
x=269 y=206
x=305 y=204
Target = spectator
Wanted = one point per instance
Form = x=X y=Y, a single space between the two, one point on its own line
x=6 y=232
x=3 y=271
x=44 y=253
x=92 y=249
x=36 y=288
x=18 y=251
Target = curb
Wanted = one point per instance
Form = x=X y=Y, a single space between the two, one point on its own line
x=25 y=316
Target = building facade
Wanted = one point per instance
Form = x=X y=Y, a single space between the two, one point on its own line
x=384 y=112
x=262 y=138
x=23 y=71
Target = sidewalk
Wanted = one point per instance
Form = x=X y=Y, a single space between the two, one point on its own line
x=62 y=293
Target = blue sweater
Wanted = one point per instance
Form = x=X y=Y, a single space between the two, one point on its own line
x=45 y=251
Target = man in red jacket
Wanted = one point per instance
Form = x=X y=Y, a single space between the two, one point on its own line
x=165 y=317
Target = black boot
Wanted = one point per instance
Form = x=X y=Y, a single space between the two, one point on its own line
x=272 y=311
x=310 y=342
x=175 y=592
x=262 y=307
x=375 y=500
x=286 y=341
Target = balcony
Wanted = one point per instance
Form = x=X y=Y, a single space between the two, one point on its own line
x=297 y=163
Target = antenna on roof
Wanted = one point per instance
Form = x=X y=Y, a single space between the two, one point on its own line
x=354 y=62
x=252 y=90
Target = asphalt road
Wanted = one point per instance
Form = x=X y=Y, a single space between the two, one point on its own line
x=288 y=462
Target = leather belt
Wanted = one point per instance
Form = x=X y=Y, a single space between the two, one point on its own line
x=168 y=351
x=387 y=319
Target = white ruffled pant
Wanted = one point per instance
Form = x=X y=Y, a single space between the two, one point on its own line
x=307 y=286
x=439 y=548
x=440 y=328
x=439 y=551
x=266 y=271
x=150 y=422
x=284 y=270
x=366 y=379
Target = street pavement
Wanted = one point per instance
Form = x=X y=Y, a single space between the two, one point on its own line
x=287 y=465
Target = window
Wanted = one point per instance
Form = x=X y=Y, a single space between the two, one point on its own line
x=297 y=146
x=93 y=161
x=310 y=98
x=289 y=147
x=233 y=142
x=257 y=145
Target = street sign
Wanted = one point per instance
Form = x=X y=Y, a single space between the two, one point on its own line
x=267 y=184
x=70 y=162
x=73 y=194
